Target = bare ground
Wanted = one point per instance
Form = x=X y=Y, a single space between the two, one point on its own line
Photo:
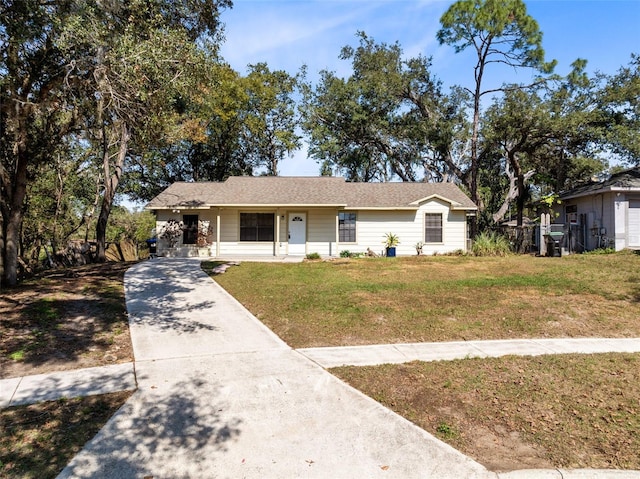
x=65 y=319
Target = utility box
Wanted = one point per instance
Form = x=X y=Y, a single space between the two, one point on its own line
x=553 y=241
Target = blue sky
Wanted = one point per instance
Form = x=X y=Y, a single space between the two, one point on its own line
x=289 y=33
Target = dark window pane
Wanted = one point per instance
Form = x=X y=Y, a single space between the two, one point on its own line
x=433 y=228
x=347 y=227
x=190 y=231
x=257 y=227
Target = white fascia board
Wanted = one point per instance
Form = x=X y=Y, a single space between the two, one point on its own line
x=464 y=208
x=606 y=189
x=438 y=197
x=176 y=207
x=279 y=205
x=382 y=208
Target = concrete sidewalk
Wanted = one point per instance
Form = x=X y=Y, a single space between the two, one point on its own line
x=121 y=377
x=402 y=353
x=69 y=384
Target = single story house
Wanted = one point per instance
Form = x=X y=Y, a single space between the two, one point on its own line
x=605 y=213
x=280 y=216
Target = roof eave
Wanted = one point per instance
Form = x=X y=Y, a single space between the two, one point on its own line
x=597 y=191
x=382 y=208
x=280 y=205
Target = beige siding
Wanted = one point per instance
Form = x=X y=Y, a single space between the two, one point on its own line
x=206 y=225
x=321 y=231
x=230 y=243
x=371 y=227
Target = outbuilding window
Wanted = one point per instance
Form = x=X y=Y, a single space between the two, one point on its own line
x=433 y=228
x=347 y=227
x=256 y=226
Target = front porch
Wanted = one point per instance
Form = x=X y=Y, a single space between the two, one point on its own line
x=205 y=254
x=248 y=232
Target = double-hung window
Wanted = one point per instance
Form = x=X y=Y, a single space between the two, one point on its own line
x=346 y=227
x=433 y=228
x=256 y=226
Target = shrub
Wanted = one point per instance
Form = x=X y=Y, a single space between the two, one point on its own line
x=491 y=244
x=348 y=254
x=601 y=251
x=313 y=256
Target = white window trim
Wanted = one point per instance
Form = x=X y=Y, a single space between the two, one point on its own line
x=355 y=229
x=424 y=227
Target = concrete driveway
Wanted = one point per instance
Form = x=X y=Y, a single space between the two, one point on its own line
x=220 y=396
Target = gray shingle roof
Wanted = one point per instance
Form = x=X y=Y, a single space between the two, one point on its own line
x=305 y=191
x=623 y=180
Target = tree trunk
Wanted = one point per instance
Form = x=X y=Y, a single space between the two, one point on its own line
x=517 y=187
x=521 y=198
x=13 y=225
x=2 y=243
x=473 y=183
x=512 y=194
x=110 y=187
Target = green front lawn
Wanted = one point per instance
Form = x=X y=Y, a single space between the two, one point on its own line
x=574 y=411
x=443 y=298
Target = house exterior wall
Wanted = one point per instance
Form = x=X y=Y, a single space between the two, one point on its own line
x=633 y=222
x=206 y=227
x=321 y=231
x=409 y=226
x=606 y=219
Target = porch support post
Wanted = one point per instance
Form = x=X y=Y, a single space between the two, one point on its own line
x=337 y=238
x=218 y=233
x=276 y=249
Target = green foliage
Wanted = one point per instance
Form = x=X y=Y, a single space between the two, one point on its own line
x=270 y=127
x=491 y=244
x=447 y=431
x=391 y=240
x=136 y=226
x=348 y=254
x=500 y=28
x=618 y=103
x=104 y=75
x=313 y=256
x=599 y=251
x=17 y=355
x=500 y=33
x=382 y=121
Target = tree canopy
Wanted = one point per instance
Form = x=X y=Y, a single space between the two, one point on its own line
x=102 y=98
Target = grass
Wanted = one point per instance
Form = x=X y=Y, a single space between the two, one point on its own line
x=570 y=411
x=573 y=411
x=38 y=441
x=418 y=299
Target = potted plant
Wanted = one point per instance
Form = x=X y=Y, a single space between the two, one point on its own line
x=390 y=242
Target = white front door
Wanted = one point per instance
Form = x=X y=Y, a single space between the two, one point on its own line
x=634 y=224
x=297 y=233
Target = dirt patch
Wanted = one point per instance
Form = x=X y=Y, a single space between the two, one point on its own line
x=38 y=441
x=60 y=320
x=558 y=411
